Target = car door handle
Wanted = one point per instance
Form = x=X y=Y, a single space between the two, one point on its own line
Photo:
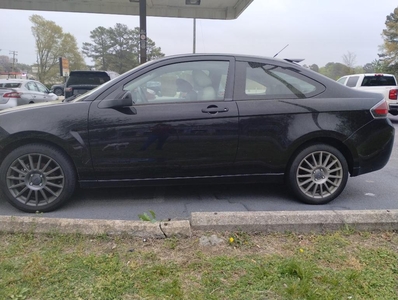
x=213 y=109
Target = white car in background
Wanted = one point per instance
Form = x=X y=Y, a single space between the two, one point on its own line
x=15 y=92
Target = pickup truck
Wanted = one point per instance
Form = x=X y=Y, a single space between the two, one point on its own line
x=385 y=84
x=79 y=82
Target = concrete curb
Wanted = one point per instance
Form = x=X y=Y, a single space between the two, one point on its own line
x=296 y=221
x=267 y=222
x=95 y=227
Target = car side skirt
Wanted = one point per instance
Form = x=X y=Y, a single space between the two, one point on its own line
x=224 y=179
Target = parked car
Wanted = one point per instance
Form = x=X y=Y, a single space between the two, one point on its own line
x=273 y=121
x=58 y=89
x=15 y=92
x=80 y=82
x=385 y=84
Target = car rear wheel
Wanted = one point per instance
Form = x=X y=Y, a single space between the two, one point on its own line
x=318 y=174
x=37 y=178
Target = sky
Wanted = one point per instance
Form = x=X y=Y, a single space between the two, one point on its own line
x=320 y=31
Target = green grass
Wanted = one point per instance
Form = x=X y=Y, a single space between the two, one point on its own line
x=342 y=265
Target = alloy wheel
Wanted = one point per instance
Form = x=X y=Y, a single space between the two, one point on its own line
x=35 y=179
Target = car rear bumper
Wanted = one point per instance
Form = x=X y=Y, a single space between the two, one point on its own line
x=10 y=103
x=393 y=109
x=374 y=149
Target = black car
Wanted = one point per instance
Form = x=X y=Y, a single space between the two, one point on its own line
x=79 y=82
x=217 y=119
x=58 y=89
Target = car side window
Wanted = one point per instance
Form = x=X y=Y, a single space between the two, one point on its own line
x=41 y=88
x=342 y=80
x=31 y=86
x=352 y=81
x=180 y=82
x=266 y=81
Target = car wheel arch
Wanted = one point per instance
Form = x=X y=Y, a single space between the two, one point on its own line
x=331 y=141
x=41 y=141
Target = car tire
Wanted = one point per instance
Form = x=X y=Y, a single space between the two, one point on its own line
x=58 y=91
x=37 y=178
x=318 y=174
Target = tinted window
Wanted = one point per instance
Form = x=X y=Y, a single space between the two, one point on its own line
x=188 y=81
x=94 y=78
x=352 y=81
x=378 y=80
x=273 y=82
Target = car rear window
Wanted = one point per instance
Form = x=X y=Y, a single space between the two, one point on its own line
x=352 y=81
x=378 y=80
x=266 y=81
x=10 y=85
x=95 y=78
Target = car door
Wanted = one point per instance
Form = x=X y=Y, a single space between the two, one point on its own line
x=30 y=93
x=181 y=131
x=44 y=93
x=272 y=100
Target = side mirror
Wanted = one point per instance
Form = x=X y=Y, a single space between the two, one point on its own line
x=125 y=100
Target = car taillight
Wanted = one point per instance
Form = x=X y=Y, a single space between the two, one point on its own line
x=68 y=89
x=380 y=110
x=393 y=95
x=12 y=95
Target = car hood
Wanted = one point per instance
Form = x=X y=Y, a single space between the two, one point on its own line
x=30 y=106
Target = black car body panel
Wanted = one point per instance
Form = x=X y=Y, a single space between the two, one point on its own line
x=61 y=124
x=238 y=135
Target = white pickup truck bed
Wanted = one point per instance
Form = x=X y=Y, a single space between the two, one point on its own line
x=385 y=84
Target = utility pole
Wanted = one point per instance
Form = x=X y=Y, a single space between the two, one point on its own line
x=194 y=35
x=14 y=60
x=143 y=37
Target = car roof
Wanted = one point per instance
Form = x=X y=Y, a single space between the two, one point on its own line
x=237 y=56
x=369 y=74
x=89 y=71
x=15 y=80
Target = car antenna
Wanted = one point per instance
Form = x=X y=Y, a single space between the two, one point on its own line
x=281 y=50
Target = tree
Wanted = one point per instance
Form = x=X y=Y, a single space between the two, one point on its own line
x=389 y=53
x=334 y=70
x=99 y=50
x=314 y=67
x=349 y=60
x=118 y=48
x=52 y=43
x=5 y=65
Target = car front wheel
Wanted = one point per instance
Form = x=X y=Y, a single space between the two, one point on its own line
x=37 y=178
x=58 y=91
x=318 y=174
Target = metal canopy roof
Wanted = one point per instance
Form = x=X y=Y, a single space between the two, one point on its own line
x=201 y=9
